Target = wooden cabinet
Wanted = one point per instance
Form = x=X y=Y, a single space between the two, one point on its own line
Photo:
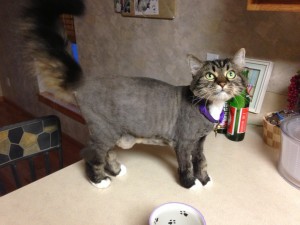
x=274 y=5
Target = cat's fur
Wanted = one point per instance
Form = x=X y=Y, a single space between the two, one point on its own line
x=124 y=111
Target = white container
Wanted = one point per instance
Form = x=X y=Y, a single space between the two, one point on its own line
x=175 y=213
x=289 y=163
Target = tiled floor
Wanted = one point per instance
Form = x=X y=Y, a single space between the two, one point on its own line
x=11 y=114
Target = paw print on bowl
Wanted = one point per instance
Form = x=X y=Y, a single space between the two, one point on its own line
x=175 y=213
x=172 y=222
x=183 y=213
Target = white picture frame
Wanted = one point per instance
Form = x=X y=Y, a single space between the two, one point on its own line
x=259 y=75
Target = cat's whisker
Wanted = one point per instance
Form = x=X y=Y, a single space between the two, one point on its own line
x=196 y=100
x=205 y=98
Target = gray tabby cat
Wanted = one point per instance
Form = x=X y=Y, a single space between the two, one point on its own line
x=123 y=111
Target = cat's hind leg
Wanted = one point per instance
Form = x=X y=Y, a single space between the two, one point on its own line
x=95 y=163
x=113 y=167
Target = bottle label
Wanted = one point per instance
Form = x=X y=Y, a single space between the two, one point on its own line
x=237 y=120
x=222 y=126
x=224 y=122
x=243 y=120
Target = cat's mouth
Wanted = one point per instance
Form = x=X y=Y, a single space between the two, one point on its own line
x=222 y=95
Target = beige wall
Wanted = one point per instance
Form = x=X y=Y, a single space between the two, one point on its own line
x=112 y=44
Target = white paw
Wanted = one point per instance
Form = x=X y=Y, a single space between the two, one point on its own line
x=196 y=186
x=209 y=184
x=103 y=184
x=123 y=171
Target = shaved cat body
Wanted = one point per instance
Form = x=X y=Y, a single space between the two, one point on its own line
x=125 y=110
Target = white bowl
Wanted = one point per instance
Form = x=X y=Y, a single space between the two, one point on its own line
x=175 y=213
x=289 y=162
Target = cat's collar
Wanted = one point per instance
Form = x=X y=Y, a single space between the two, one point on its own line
x=205 y=112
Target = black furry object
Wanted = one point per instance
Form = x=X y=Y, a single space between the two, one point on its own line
x=43 y=34
x=56 y=7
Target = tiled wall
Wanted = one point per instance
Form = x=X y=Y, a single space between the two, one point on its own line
x=110 y=44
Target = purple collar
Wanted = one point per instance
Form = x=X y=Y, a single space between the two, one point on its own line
x=205 y=112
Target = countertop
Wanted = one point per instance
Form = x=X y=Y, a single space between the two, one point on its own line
x=246 y=189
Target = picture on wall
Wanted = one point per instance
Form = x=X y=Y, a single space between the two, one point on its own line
x=122 y=6
x=160 y=9
x=259 y=73
x=146 y=7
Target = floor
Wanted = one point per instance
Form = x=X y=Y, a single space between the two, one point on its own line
x=71 y=149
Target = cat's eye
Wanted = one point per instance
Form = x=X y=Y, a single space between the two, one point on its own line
x=230 y=74
x=209 y=76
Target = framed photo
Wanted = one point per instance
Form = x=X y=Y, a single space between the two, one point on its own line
x=146 y=7
x=160 y=9
x=258 y=77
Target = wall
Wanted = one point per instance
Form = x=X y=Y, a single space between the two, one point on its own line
x=111 y=44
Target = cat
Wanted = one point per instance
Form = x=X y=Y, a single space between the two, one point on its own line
x=123 y=111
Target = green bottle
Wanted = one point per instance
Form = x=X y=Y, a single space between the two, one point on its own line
x=238 y=116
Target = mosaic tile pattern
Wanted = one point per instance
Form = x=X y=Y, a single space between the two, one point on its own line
x=29 y=138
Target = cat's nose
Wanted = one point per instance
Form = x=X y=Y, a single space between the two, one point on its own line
x=222 y=84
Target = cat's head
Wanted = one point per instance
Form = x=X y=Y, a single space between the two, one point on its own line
x=218 y=80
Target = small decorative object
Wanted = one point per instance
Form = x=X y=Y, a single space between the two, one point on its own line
x=293 y=93
x=176 y=213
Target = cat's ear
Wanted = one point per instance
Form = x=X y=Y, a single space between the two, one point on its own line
x=239 y=58
x=194 y=64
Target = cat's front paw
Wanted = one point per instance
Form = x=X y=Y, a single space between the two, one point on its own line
x=199 y=185
x=187 y=181
x=196 y=186
x=207 y=183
